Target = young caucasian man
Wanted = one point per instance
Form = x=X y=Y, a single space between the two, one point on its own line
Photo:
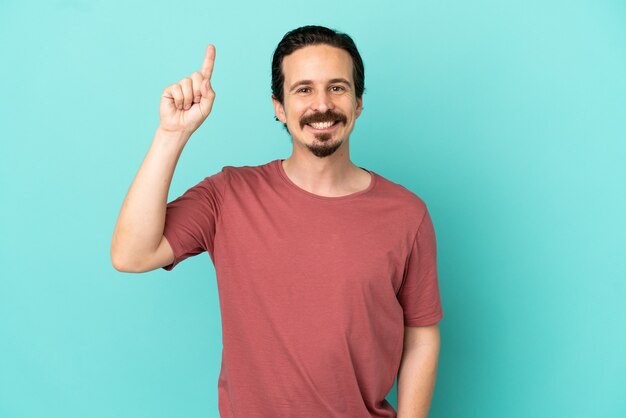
x=326 y=271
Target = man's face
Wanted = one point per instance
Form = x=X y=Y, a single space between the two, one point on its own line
x=320 y=104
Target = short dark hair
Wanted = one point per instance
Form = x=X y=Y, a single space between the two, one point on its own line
x=315 y=35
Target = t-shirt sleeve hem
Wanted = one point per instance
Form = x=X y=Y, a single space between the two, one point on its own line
x=425 y=321
x=176 y=249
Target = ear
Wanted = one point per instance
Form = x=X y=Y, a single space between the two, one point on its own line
x=279 y=110
x=359 y=106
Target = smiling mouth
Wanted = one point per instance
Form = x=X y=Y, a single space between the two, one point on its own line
x=323 y=126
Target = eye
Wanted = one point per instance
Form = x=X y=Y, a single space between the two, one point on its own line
x=303 y=90
x=337 y=89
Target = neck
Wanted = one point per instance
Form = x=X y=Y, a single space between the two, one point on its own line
x=334 y=175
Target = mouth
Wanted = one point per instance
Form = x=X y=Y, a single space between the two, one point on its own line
x=322 y=126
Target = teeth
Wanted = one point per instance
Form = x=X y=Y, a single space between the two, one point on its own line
x=322 y=125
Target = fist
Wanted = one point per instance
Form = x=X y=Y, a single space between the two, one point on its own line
x=186 y=104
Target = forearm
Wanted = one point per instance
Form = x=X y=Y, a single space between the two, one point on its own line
x=416 y=381
x=141 y=220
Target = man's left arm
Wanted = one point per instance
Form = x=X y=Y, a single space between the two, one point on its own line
x=418 y=371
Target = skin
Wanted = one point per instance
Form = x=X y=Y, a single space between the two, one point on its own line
x=138 y=244
x=417 y=374
x=320 y=162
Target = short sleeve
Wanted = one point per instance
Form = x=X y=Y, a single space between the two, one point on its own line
x=191 y=219
x=419 y=294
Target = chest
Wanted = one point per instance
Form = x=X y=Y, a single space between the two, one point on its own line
x=328 y=249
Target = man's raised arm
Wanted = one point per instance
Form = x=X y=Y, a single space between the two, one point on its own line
x=138 y=244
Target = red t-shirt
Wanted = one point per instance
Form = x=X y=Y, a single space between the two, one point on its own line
x=314 y=291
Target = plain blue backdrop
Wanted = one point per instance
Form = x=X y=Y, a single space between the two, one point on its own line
x=506 y=117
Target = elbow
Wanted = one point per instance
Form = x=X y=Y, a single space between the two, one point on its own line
x=119 y=257
x=115 y=256
x=126 y=265
x=119 y=262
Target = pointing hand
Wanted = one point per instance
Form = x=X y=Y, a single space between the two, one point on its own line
x=186 y=104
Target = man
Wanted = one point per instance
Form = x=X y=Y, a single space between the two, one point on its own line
x=326 y=271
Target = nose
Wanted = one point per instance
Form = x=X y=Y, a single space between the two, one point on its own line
x=322 y=101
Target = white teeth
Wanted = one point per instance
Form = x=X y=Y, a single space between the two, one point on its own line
x=322 y=125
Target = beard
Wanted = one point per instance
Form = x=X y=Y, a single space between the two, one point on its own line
x=325 y=146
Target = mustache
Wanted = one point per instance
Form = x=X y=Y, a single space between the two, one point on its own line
x=328 y=116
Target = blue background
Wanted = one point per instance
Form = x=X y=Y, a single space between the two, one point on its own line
x=506 y=117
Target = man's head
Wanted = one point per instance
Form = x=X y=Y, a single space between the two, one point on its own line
x=317 y=76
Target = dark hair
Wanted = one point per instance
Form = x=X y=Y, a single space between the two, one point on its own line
x=315 y=35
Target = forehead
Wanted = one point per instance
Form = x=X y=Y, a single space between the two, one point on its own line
x=317 y=62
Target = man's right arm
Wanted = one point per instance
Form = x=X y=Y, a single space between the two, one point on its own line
x=138 y=243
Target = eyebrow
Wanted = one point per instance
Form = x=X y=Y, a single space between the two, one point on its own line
x=334 y=80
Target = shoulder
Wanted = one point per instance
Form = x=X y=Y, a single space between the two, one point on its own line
x=403 y=196
x=236 y=176
x=247 y=170
x=402 y=206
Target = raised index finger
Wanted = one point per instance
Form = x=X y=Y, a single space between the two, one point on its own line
x=209 y=59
